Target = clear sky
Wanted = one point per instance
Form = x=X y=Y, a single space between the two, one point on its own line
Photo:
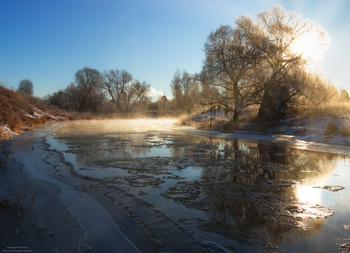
x=47 y=41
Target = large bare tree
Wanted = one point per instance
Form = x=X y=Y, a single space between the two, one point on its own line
x=284 y=69
x=253 y=63
x=232 y=55
x=89 y=82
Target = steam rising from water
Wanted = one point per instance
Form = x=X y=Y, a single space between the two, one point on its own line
x=96 y=127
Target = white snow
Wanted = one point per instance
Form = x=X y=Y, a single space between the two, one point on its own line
x=40 y=114
x=303 y=133
x=29 y=116
x=313 y=130
x=206 y=116
x=6 y=131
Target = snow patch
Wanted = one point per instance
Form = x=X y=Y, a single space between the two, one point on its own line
x=29 y=116
x=314 y=129
x=6 y=131
x=307 y=130
x=42 y=114
x=207 y=116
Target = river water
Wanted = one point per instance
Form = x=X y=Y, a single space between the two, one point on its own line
x=193 y=192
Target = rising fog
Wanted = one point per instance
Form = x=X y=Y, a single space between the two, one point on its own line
x=99 y=127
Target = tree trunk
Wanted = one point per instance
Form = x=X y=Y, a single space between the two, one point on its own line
x=272 y=106
x=235 y=117
x=237 y=109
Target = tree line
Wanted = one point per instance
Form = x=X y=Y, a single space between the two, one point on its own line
x=111 y=91
x=251 y=64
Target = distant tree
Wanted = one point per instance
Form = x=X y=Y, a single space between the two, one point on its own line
x=163 y=104
x=73 y=97
x=184 y=88
x=92 y=91
x=142 y=104
x=123 y=90
x=177 y=90
x=115 y=83
x=67 y=99
x=344 y=96
x=133 y=93
x=89 y=83
x=59 y=99
x=25 y=86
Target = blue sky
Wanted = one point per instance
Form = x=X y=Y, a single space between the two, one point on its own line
x=47 y=41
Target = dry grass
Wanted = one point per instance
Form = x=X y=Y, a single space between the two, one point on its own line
x=18 y=111
x=327 y=109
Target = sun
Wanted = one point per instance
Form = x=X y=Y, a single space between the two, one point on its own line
x=312 y=47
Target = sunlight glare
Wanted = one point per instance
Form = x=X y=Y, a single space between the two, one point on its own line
x=312 y=48
x=308 y=194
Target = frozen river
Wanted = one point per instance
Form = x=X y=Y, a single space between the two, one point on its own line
x=197 y=193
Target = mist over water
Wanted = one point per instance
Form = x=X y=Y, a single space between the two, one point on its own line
x=96 y=127
x=238 y=195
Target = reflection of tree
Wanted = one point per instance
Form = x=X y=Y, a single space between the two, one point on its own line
x=248 y=190
x=177 y=150
x=89 y=149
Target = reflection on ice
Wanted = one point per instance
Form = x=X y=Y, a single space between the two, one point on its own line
x=308 y=194
x=191 y=173
x=307 y=211
x=303 y=145
x=238 y=193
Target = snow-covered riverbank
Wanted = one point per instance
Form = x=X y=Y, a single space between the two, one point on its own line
x=326 y=129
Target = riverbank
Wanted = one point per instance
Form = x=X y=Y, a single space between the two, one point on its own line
x=328 y=129
x=32 y=218
x=20 y=112
x=43 y=208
